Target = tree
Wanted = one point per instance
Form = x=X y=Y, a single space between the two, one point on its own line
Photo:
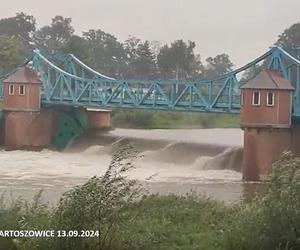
x=178 y=60
x=290 y=37
x=21 y=27
x=79 y=47
x=131 y=47
x=106 y=52
x=217 y=66
x=144 y=64
x=155 y=47
x=290 y=40
x=55 y=36
x=10 y=53
x=139 y=59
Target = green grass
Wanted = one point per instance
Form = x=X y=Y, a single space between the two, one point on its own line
x=154 y=222
x=171 y=120
x=173 y=222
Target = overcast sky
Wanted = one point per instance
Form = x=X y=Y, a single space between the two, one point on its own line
x=243 y=29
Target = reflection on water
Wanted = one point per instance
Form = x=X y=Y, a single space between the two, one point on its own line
x=178 y=167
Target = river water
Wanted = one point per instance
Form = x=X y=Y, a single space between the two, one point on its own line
x=202 y=161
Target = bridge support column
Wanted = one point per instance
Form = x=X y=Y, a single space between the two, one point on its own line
x=28 y=129
x=263 y=146
x=99 y=118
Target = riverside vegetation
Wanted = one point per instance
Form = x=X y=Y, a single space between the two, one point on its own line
x=126 y=219
x=172 y=120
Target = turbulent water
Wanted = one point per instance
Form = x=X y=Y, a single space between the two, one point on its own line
x=170 y=161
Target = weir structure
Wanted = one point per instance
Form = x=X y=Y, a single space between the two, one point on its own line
x=52 y=99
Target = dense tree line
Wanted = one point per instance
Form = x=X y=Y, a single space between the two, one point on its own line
x=133 y=58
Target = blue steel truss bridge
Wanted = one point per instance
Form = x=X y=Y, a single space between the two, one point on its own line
x=68 y=81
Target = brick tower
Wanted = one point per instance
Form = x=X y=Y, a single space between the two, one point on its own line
x=22 y=91
x=26 y=124
x=266 y=112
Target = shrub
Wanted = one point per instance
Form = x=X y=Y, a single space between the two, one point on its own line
x=20 y=214
x=98 y=204
x=271 y=221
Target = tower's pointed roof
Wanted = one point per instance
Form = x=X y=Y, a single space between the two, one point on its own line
x=23 y=75
x=268 y=79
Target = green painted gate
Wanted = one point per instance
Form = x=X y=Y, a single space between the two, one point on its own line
x=69 y=125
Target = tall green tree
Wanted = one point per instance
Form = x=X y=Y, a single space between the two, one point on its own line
x=11 y=54
x=178 y=60
x=140 y=59
x=144 y=65
x=155 y=47
x=54 y=36
x=130 y=48
x=217 y=66
x=290 y=37
x=107 y=54
x=21 y=27
x=77 y=46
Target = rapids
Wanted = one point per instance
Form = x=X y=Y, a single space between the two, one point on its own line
x=170 y=161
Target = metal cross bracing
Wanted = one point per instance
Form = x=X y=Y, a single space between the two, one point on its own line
x=62 y=87
x=71 y=82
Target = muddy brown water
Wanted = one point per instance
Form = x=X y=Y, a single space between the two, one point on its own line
x=202 y=161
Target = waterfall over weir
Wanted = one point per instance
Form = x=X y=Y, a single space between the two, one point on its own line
x=162 y=166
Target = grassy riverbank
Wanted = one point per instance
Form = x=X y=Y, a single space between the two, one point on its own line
x=162 y=119
x=112 y=205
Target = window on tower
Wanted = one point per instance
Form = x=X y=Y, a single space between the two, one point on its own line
x=270 y=99
x=256 y=98
x=11 y=89
x=22 y=89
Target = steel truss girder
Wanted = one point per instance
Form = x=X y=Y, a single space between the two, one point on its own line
x=69 y=84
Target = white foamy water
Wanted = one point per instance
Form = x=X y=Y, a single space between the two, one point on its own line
x=217 y=136
x=175 y=167
x=30 y=165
